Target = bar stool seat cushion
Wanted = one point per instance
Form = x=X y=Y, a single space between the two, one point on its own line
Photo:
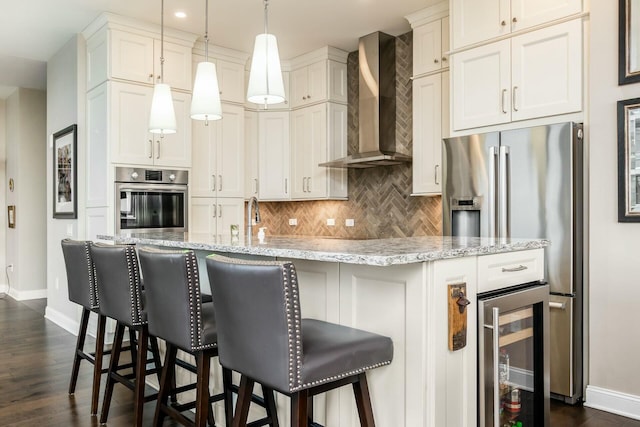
x=332 y=351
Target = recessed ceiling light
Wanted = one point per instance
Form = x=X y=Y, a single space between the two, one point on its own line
x=180 y=15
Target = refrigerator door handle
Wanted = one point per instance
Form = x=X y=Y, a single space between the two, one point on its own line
x=491 y=193
x=560 y=305
x=496 y=367
x=504 y=229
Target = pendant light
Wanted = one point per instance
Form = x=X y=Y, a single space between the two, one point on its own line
x=265 y=79
x=162 y=119
x=205 y=102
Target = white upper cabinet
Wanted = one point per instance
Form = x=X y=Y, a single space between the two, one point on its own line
x=131 y=141
x=533 y=75
x=430 y=44
x=274 y=156
x=137 y=58
x=231 y=81
x=476 y=21
x=218 y=155
x=319 y=76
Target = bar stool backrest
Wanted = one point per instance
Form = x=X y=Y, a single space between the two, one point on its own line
x=257 y=312
x=81 y=283
x=118 y=283
x=172 y=291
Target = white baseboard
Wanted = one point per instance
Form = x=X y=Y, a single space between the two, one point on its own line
x=627 y=405
x=27 y=295
x=65 y=322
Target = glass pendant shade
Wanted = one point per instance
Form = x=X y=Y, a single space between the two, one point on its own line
x=163 y=117
x=265 y=79
x=205 y=103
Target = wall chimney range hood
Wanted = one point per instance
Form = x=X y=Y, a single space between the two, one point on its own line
x=377 y=106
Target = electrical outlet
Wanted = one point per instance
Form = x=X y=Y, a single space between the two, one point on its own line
x=349 y=222
x=293 y=221
x=331 y=222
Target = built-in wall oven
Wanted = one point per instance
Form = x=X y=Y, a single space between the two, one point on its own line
x=513 y=356
x=151 y=199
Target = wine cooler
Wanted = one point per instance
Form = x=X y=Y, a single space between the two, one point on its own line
x=513 y=357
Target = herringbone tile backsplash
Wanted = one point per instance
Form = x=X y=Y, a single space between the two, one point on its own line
x=379 y=198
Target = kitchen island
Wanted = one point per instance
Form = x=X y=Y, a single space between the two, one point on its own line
x=395 y=287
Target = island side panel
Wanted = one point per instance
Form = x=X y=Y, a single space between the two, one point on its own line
x=390 y=301
x=451 y=384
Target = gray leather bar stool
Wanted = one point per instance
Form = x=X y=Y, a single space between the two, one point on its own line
x=121 y=298
x=177 y=315
x=262 y=335
x=82 y=290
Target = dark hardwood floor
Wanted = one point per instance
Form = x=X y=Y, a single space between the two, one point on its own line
x=35 y=365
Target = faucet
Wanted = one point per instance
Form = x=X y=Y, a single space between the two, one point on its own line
x=252 y=201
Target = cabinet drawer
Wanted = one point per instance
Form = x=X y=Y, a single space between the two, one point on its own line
x=508 y=269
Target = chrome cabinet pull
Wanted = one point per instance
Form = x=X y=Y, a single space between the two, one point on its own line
x=514 y=269
x=436 y=174
x=219 y=182
x=256 y=185
x=286 y=186
x=515 y=107
x=213 y=188
x=309 y=185
x=150 y=148
x=504 y=108
x=158 y=153
x=219 y=211
x=304 y=182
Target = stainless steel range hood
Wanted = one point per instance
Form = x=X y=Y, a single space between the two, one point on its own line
x=377 y=106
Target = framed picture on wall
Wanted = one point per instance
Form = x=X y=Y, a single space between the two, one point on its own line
x=65 y=188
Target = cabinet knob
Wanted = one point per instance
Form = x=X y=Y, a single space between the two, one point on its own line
x=435 y=61
x=514 y=20
x=444 y=59
x=503 y=23
x=150 y=76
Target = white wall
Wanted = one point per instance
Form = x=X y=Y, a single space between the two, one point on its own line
x=614 y=266
x=26 y=148
x=65 y=106
x=3 y=190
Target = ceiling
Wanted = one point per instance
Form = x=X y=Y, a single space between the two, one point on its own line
x=32 y=31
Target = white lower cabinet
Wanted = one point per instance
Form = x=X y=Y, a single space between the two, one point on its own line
x=214 y=216
x=430 y=125
x=533 y=75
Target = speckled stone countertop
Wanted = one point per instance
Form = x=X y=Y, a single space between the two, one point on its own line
x=380 y=252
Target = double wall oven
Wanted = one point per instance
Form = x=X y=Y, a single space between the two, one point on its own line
x=151 y=200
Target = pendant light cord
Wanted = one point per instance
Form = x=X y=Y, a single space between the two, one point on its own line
x=266 y=16
x=161 y=41
x=266 y=63
x=206 y=31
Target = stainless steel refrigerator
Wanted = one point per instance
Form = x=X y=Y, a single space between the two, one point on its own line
x=528 y=183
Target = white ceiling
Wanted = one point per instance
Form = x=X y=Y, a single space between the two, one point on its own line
x=32 y=31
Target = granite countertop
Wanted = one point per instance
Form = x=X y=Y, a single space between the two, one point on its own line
x=380 y=252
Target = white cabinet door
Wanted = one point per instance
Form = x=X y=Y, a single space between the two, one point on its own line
x=230 y=81
x=273 y=155
x=230 y=211
x=481 y=86
x=130 y=138
x=479 y=20
x=251 y=182
x=218 y=162
x=427 y=95
x=337 y=149
x=527 y=13
x=230 y=152
x=546 y=76
x=338 y=82
x=131 y=141
x=174 y=150
x=309 y=148
x=427 y=48
x=177 y=65
x=203 y=215
x=285 y=105
x=309 y=84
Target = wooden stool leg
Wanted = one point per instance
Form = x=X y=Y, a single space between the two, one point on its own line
x=133 y=345
x=244 y=400
x=97 y=363
x=299 y=415
x=113 y=367
x=82 y=333
x=363 y=401
x=153 y=342
x=141 y=371
x=228 y=396
x=166 y=382
x=270 y=403
x=203 y=363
